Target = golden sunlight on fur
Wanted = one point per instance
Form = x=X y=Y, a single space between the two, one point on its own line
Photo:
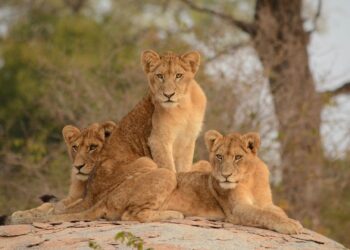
x=179 y=107
x=132 y=191
x=237 y=189
x=80 y=145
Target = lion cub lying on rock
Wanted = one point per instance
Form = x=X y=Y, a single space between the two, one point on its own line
x=129 y=192
x=237 y=188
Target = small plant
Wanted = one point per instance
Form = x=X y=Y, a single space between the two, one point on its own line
x=94 y=245
x=130 y=240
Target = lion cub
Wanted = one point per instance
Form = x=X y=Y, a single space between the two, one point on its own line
x=237 y=189
x=132 y=191
x=81 y=170
x=179 y=107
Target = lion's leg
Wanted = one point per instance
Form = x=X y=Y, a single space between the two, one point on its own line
x=77 y=206
x=147 y=195
x=184 y=157
x=275 y=209
x=148 y=215
x=162 y=152
x=45 y=208
x=145 y=163
x=96 y=212
x=202 y=166
x=249 y=215
x=76 y=193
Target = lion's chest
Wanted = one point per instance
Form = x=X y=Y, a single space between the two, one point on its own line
x=178 y=126
x=173 y=135
x=187 y=131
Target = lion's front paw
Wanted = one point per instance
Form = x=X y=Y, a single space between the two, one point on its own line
x=21 y=217
x=59 y=208
x=173 y=215
x=288 y=226
x=44 y=209
x=19 y=214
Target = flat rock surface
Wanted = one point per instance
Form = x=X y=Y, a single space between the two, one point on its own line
x=189 y=233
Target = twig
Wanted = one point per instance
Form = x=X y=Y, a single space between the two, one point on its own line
x=344 y=89
x=244 y=26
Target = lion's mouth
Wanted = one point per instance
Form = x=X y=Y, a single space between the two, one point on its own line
x=230 y=182
x=81 y=173
x=169 y=103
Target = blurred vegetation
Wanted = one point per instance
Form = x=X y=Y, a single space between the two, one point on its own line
x=67 y=66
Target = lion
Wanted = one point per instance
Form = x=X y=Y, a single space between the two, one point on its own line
x=179 y=107
x=80 y=173
x=237 y=189
x=82 y=167
x=164 y=125
x=121 y=200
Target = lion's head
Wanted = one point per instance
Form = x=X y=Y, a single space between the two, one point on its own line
x=84 y=146
x=232 y=156
x=169 y=75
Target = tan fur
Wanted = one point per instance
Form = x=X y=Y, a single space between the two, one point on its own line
x=201 y=166
x=179 y=104
x=129 y=192
x=81 y=168
x=79 y=175
x=237 y=189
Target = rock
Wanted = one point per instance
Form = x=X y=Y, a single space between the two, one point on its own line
x=15 y=230
x=35 y=241
x=42 y=225
x=189 y=233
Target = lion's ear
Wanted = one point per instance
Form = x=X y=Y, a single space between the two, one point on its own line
x=69 y=132
x=210 y=138
x=193 y=58
x=148 y=59
x=108 y=128
x=252 y=141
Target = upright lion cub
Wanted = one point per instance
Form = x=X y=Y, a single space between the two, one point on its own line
x=179 y=107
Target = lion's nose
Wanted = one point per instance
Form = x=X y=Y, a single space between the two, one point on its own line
x=226 y=175
x=79 y=166
x=169 y=95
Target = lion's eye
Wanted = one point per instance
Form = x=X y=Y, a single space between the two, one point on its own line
x=160 y=76
x=178 y=76
x=219 y=157
x=238 y=157
x=75 y=148
x=92 y=147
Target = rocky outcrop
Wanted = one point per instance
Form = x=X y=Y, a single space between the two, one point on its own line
x=189 y=233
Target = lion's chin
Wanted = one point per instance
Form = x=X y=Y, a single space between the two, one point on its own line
x=228 y=185
x=82 y=177
x=169 y=104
